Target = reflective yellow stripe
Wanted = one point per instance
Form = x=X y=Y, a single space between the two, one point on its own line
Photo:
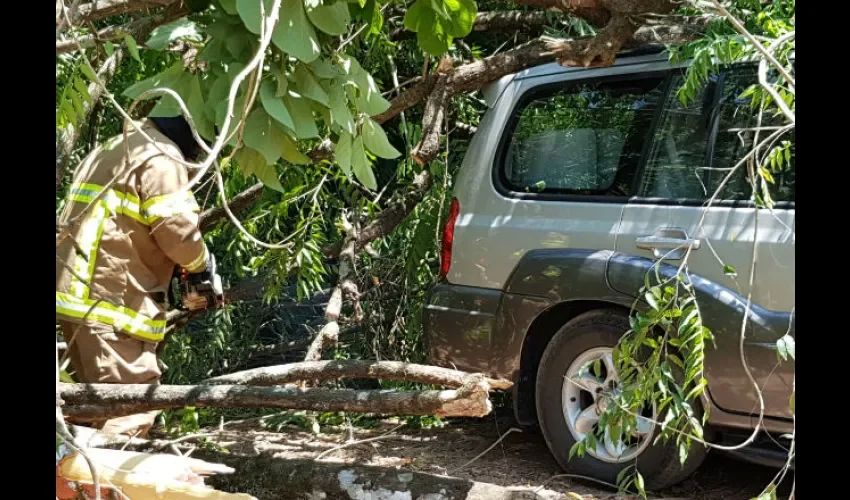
x=199 y=261
x=122 y=318
x=168 y=205
x=116 y=201
x=152 y=210
x=88 y=240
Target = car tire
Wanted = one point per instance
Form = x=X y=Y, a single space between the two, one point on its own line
x=590 y=332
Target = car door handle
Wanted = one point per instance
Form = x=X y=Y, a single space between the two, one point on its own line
x=662 y=243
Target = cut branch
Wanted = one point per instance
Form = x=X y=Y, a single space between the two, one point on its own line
x=432 y=119
x=328 y=335
x=509 y=20
x=351 y=369
x=101 y=401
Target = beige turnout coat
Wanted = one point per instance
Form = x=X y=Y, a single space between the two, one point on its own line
x=123 y=248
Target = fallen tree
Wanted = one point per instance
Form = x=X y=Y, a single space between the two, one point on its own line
x=94 y=402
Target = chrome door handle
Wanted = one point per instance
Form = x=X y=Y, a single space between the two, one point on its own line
x=668 y=243
x=661 y=243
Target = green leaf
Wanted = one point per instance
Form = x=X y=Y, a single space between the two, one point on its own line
x=653 y=302
x=132 y=47
x=253 y=163
x=360 y=165
x=333 y=19
x=249 y=12
x=229 y=6
x=109 y=48
x=462 y=13
x=785 y=347
x=64 y=377
x=307 y=85
x=375 y=140
x=164 y=35
x=274 y=105
x=343 y=152
x=683 y=452
x=262 y=134
x=289 y=151
x=729 y=270
x=294 y=34
x=340 y=114
x=87 y=70
x=82 y=89
x=165 y=79
x=302 y=116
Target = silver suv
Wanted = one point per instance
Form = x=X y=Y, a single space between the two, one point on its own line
x=575 y=183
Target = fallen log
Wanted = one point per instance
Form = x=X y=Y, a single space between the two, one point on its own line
x=91 y=402
x=338 y=369
x=272 y=478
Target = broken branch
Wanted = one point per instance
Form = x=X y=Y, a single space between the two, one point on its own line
x=102 y=401
x=352 y=369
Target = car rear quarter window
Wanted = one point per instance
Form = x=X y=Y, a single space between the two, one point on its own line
x=582 y=139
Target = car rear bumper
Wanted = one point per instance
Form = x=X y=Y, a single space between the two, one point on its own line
x=459 y=324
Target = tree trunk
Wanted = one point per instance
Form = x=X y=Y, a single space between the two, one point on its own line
x=90 y=402
x=352 y=369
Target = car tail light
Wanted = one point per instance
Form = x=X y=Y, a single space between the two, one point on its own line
x=448 y=238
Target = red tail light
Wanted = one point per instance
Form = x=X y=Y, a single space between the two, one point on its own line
x=448 y=239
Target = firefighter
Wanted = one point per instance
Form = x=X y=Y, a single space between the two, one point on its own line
x=114 y=268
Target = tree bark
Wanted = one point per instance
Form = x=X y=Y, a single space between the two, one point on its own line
x=139 y=29
x=351 y=369
x=101 y=401
x=101 y=9
x=272 y=478
x=432 y=117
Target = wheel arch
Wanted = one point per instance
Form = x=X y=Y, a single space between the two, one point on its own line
x=541 y=331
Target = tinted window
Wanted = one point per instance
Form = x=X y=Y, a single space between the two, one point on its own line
x=584 y=139
x=682 y=163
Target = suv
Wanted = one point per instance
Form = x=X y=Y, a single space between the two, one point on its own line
x=575 y=184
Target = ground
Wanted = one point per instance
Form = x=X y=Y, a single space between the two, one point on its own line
x=520 y=460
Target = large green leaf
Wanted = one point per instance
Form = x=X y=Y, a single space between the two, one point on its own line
x=165 y=79
x=253 y=163
x=360 y=165
x=340 y=114
x=274 y=105
x=162 y=36
x=249 y=11
x=342 y=153
x=229 y=6
x=307 y=85
x=194 y=99
x=462 y=14
x=333 y=19
x=294 y=34
x=262 y=134
x=289 y=151
x=370 y=100
x=302 y=116
x=167 y=105
x=375 y=140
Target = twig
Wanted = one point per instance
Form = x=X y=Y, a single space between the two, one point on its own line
x=503 y=436
x=361 y=441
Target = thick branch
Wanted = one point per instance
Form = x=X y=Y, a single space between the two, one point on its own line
x=139 y=29
x=68 y=136
x=509 y=20
x=351 y=369
x=99 y=401
x=238 y=203
x=432 y=117
x=101 y=9
x=408 y=98
x=592 y=11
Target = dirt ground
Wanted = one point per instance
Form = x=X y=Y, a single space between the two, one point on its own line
x=520 y=460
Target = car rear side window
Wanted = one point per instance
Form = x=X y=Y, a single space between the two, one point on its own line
x=697 y=145
x=587 y=138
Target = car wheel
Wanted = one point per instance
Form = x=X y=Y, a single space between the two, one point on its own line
x=569 y=403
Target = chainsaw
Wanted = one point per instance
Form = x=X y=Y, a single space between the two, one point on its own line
x=198 y=291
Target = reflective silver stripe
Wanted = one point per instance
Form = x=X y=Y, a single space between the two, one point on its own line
x=168 y=205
